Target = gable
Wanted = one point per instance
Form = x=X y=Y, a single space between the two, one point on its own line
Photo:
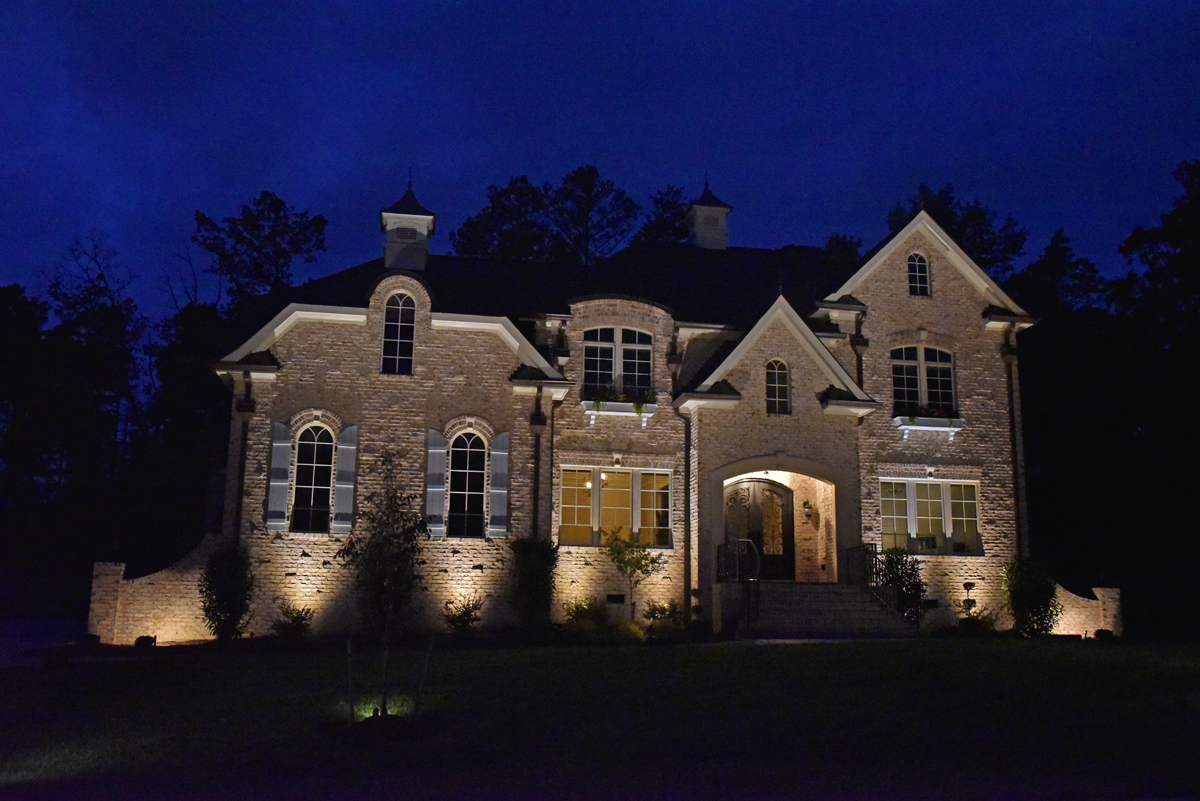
x=924 y=226
x=781 y=311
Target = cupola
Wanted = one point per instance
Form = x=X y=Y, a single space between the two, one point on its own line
x=407 y=226
x=706 y=221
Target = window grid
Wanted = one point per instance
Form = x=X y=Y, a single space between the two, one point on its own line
x=928 y=510
x=918 y=275
x=313 y=496
x=575 y=527
x=468 y=482
x=618 y=361
x=596 y=500
x=922 y=381
x=893 y=499
x=778 y=387
x=399 y=332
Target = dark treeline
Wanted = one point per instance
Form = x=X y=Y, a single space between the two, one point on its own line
x=113 y=430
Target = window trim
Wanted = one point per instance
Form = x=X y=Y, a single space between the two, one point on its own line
x=483 y=491
x=923 y=409
x=295 y=480
x=596 y=392
x=783 y=404
x=949 y=537
x=403 y=301
x=918 y=276
x=635 y=502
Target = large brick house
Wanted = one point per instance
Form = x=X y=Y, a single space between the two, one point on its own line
x=694 y=394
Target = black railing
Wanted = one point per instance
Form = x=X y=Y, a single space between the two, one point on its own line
x=865 y=568
x=738 y=561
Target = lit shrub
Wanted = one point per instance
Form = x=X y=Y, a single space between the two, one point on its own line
x=226 y=584
x=294 y=622
x=1030 y=596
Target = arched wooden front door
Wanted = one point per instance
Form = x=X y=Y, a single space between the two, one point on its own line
x=760 y=510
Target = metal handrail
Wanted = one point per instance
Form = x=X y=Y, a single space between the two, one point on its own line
x=864 y=567
x=738 y=560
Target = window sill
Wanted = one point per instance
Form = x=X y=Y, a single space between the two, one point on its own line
x=950 y=425
x=617 y=409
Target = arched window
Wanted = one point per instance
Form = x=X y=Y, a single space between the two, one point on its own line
x=468 y=472
x=618 y=363
x=314 y=480
x=923 y=382
x=778 y=388
x=918 y=275
x=399 y=329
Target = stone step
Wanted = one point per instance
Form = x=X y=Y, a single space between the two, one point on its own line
x=824 y=610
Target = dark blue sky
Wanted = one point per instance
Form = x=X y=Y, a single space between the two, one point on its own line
x=809 y=118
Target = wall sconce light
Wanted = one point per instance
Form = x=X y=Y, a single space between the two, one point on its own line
x=808 y=510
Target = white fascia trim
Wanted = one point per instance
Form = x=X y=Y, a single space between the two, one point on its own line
x=783 y=310
x=692 y=404
x=949 y=248
x=287 y=319
x=501 y=327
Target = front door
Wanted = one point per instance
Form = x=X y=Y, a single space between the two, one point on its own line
x=761 y=511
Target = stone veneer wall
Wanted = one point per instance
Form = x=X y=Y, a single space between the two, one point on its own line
x=1086 y=616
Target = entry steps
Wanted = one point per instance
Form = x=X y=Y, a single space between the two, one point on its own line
x=811 y=610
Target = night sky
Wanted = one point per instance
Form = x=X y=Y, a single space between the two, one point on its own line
x=808 y=118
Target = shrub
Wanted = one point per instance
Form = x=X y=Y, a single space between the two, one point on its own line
x=591 y=610
x=902 y=572
x=534 y=560
x=1030 y=596
x=670 y=612
x=226 y=585
x=295 y=621
x=462 y=615
x=629 y=631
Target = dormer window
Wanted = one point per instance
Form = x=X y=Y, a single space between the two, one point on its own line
x=399 y=330
x=918 y=275
x=617 y=364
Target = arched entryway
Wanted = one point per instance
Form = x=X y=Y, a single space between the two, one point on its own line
x=791 y=519
x=762 y=511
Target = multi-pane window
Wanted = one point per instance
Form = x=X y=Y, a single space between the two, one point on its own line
x=399 y=330
x=929 y=517
x=893 y=500
x=923 y=381
x=595 y=501
x=467 y=474
x=617 y=362
x=655 y=527
x=918 y=275
x=313 y=493
x=778 y=388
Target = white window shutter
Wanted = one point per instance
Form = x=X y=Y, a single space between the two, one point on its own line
x=498 y=495
x=278 y=478
x=343 y=488
x=435 y=484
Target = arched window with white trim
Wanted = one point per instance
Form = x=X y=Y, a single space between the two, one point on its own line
x=465 y=514
x=778 y=388
x=399 y=333
x=313 y=494
x=918 y=275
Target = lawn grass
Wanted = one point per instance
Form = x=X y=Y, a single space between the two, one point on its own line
x=928 y=718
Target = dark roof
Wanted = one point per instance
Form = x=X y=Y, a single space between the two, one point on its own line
x=733 y=287
x=730 y=287
x=408 y=205
x=707 y=198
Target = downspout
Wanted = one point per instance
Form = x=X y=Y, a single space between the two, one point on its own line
x=687 y=513
x=1009 y=353
x=245 y=408
x=537 y=424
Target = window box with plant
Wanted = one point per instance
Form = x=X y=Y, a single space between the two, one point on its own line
x=602 y=401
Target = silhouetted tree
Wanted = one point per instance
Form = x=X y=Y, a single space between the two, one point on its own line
x=1058 y=281
x=254 y=252
x=667 y=219
x=992 y=244
x=842 y=251
x=582 y=219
